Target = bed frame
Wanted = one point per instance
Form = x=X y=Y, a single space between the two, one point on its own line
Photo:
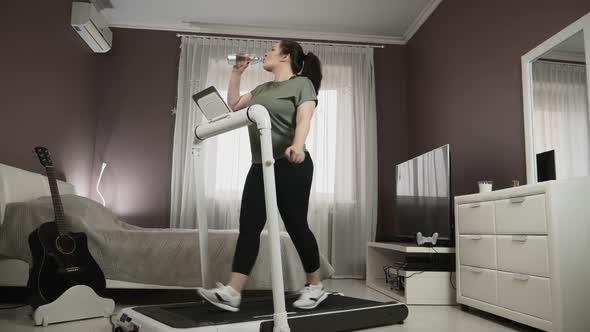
x=17 y=185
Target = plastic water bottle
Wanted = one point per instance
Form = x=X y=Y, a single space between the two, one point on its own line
x=234 y=59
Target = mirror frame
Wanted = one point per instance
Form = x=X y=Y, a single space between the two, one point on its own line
x=582 y=24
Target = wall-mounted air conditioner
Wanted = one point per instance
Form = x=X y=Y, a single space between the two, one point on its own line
x=92 y=26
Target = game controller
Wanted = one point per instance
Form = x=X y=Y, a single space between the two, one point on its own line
x=427 y=241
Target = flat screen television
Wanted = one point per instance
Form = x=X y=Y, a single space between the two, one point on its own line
x=423 y=198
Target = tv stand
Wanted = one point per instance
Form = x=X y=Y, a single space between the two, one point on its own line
x=421 y=282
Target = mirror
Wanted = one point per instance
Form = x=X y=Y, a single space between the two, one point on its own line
x=557 y=112
x=560 y=111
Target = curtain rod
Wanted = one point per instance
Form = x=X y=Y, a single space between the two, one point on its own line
x=562 y=61
x=271 y=39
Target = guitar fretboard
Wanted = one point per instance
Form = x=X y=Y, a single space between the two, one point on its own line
x=62 y=227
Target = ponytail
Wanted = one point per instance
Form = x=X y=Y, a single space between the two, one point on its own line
x=312 y=69
x=302 y=64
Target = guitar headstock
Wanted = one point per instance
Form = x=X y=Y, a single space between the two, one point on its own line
x=44 y=157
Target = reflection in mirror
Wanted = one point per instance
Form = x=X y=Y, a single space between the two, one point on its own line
x=561 y=118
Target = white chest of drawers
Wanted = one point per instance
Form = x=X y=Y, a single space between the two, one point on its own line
x=524 y=253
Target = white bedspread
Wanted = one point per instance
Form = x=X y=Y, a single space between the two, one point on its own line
x=146 y=255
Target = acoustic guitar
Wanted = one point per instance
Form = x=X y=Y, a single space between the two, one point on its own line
x=61 y=258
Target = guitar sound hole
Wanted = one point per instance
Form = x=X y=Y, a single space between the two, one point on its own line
x=65 y=244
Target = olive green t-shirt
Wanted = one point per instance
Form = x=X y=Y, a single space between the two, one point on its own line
x=281 y=99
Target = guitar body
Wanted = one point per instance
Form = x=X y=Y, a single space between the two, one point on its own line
x=60 y=262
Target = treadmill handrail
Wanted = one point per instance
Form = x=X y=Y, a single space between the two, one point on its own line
x=257 y=114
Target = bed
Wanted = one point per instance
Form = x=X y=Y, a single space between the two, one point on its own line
x=17 y=185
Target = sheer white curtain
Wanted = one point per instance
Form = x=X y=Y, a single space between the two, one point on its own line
x=342 y=143
x=348 y=154
x=561 y=116
x=203 y=64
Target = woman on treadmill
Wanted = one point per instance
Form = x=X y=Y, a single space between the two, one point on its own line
x=290 y=100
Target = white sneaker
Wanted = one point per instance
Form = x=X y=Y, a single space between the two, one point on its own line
x=311 y=296
x=224 y=297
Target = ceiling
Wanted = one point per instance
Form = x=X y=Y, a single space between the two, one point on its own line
x=574 y=44
x=571 y=49
x=370 y=21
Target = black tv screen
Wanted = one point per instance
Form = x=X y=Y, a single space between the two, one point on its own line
x=423 y=198
x=546 y=166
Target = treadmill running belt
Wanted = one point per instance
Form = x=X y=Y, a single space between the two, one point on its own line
x=345 y=311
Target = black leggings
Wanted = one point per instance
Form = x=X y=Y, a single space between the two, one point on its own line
x=293 y=184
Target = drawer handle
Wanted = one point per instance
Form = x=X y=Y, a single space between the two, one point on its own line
x=476 y=205
x=519 y=238
x=476 y=237
x=516 y=200
x=520 y=277
x=476 y=270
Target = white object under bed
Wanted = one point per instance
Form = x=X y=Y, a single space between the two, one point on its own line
x=17 y=185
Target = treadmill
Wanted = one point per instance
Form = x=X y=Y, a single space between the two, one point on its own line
x=336 y=313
